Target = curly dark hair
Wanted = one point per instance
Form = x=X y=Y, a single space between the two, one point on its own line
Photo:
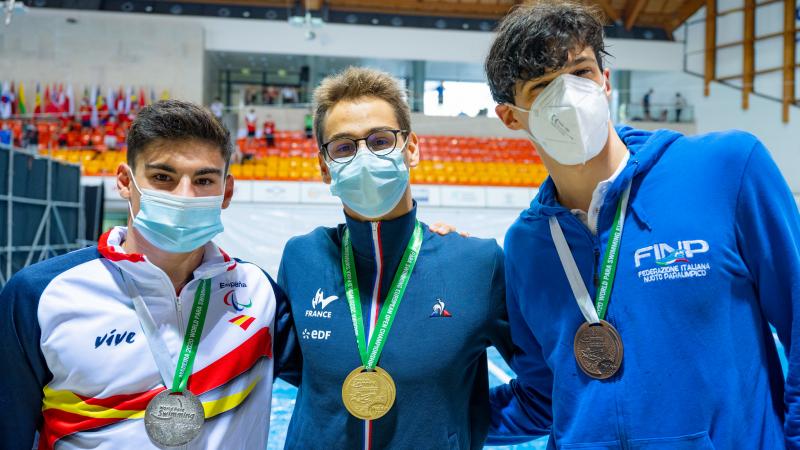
x=537 y=38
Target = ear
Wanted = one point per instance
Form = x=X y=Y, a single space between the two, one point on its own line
x=226 y=200
x=413 y=150
x=124 y=183
x=607 y=81
x=506 y=114
x=323 y=169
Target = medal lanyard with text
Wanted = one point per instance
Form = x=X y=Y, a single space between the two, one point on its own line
x=596 y=312
x=180 y=375
x=371 y=353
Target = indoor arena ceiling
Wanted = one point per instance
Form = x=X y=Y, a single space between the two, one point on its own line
x=633 y=19
x=663 y=14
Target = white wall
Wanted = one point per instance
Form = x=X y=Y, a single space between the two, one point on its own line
x=103 y=49
x=723 y=110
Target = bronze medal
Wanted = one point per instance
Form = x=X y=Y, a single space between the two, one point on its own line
x=368 y=395
x=598 y=349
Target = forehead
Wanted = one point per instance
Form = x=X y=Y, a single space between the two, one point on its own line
x=357 y=117
x=182 y=155
x=586 y=56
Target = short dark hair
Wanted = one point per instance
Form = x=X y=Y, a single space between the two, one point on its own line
x=176 y=120
x=536 y=38
x=355 y=83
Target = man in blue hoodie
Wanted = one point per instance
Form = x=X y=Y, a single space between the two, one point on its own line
x=393 y=320
x=644 y=277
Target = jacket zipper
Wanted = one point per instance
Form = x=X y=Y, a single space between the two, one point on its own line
x=595 y=239
x=181 y=325
x=376 y=293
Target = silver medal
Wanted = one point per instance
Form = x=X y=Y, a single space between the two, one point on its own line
x=173 y=419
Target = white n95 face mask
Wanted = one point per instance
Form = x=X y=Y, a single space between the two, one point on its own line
x=569 y=119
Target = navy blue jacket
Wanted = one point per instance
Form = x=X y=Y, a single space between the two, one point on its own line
x=436 y=352
x=710 y=258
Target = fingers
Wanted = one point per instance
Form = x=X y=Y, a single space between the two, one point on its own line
x=443 y=229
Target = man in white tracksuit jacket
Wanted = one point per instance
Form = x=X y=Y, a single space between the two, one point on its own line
x=93 y=341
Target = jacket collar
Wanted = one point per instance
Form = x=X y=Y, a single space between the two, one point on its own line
x=645 y=147
x=392 y=235
x=215 y=260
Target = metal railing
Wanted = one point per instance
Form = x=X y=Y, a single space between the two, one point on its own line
x=52 y=236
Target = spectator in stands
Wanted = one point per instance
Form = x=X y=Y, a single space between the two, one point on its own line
x=708 y=260
x=85 y=112
x=6 y=137
x=646 y=104
x=110 y=136
x=455 y=293
x=309 y=125
x=102 y=110
x=273 y=93
x=251 y=122
x=63 y=135
x=289 y=94
x=217 y=108
x=94 y=333
x=680 y=103
x=30 y=137
x=269 y=131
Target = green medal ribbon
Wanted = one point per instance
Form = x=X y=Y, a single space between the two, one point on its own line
x=608 y=270
x=370 y=356
x=191 y=339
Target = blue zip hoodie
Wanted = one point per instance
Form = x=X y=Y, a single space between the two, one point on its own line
x=436 y=352
x=710 y=257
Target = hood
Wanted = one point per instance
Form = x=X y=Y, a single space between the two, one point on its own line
x=645 y=147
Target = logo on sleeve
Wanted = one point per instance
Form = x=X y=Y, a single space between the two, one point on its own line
x=318 y=305
x=439 y=310
x=663 y=262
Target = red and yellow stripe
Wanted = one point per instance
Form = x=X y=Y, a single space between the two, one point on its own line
x=65 y=413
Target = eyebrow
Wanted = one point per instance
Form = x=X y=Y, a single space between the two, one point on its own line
x=545 y=79
x=350 y=135
x=170 y=169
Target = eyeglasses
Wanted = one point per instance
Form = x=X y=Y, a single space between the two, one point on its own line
x=343 y=150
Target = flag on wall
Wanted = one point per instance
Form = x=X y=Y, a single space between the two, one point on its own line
x=21 y=107
x=93 y=101
x=46 y=97
x=5 y=101
x=37 y=101
x=70 y=110
x=13 y=100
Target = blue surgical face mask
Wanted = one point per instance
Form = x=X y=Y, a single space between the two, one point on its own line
x=174 y=223
x=370 y=185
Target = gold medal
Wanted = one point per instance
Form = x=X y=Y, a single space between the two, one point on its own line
x=368 y=395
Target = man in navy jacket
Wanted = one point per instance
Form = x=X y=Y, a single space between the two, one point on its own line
x=435 y=329
x=696 y=239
